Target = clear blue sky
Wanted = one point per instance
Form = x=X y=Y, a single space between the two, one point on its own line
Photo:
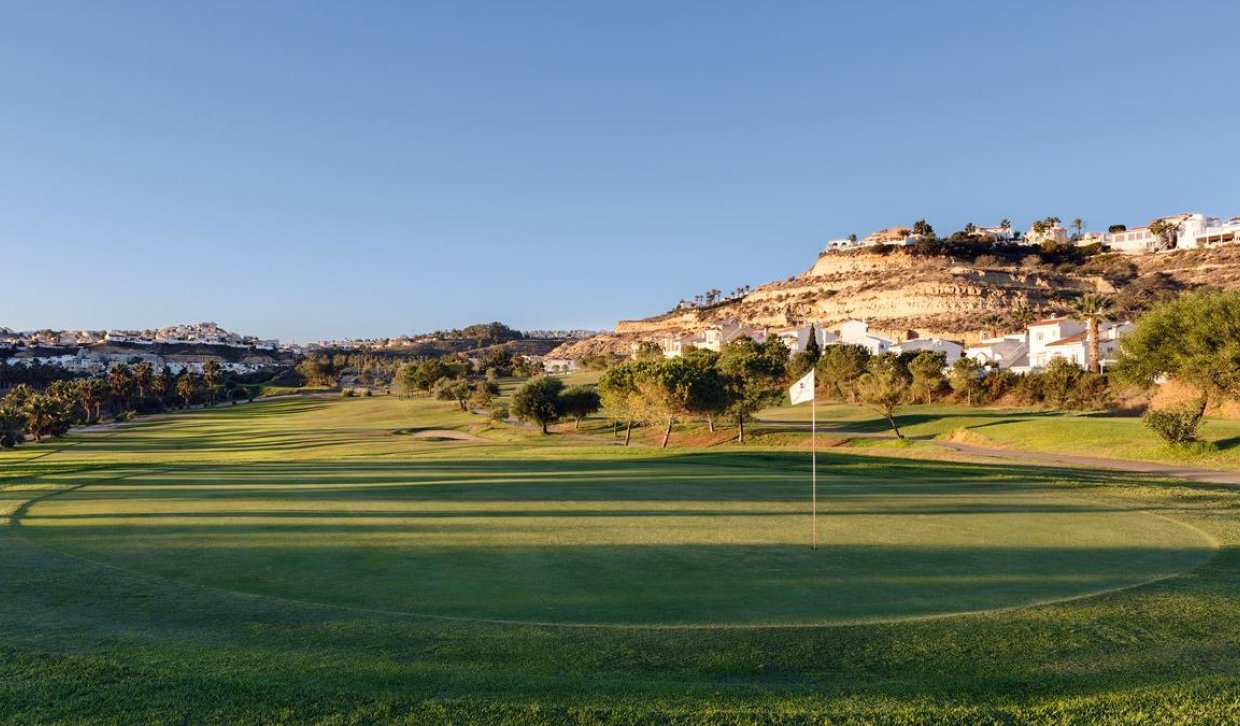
x=305 y=170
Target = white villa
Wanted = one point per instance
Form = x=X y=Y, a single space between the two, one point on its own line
x=857 y=332
x=901 y=236
x=1195 y=231
x=797 y=337
x=951 y=350
x=1056 y=234
x=1009 y=351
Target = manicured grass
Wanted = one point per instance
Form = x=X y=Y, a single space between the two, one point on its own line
x=1120 y=437
x=260 y=563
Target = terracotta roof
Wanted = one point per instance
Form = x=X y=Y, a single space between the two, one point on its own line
x=1070 y=340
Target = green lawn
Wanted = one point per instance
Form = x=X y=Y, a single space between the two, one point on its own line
x=1120 y=437
x=316 y=560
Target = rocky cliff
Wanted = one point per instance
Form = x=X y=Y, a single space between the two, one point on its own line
x=903 y=294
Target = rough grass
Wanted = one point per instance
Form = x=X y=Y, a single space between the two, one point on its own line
x=193 y=569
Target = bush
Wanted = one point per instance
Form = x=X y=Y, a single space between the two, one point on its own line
x=348 y=393
x=128 y=415
x=499 y=413
x=1176 y=426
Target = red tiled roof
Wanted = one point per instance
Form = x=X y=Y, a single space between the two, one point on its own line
x=1070 y=339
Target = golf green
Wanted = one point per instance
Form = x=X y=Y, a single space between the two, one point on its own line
x=694 y=539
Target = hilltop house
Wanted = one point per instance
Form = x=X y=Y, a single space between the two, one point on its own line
x=1038 y=235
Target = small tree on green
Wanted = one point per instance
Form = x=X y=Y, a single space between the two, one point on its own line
x=752 y=377
x=618 y=392
x=926 y=369
x=538 y=401
x=883 y=388
x=965 y=378
x=579 y=402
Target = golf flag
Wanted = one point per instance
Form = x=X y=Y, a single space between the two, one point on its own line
x=803 y=390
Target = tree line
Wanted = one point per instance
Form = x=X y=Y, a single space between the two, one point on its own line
x=123 y=392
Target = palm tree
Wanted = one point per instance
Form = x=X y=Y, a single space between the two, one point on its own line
x=210 y=374
x=1091 y=309
x=41 y=413
x=1079 y=225
x=142 y=377
x=120 y=381
x=12 y=427
x=185 y=388
x=992 y=322
x=91 y=393
x=1024 y=315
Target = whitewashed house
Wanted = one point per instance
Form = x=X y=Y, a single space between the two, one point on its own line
x=1045 y=332
x=857 y=332
x=1007 y=352
x=951 y=350
x=1056 y=234
x=1075 y=347
x=796 y=338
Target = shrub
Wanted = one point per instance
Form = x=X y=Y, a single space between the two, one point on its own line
x=1176 y=426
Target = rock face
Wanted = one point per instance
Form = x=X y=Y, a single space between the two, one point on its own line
x=904 y=295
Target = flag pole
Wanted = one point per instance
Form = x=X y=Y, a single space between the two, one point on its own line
x=813 y=468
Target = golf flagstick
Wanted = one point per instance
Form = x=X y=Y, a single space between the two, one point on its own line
x=802 y=391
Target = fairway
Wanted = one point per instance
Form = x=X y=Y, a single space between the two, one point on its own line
x=610 y=538
x=324 y=560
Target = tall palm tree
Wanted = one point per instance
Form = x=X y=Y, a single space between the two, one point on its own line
x=211 y=374
x=142 y=377
x=1091 y=309
x=1079 y=225
x=185 y=387
x=120 y=381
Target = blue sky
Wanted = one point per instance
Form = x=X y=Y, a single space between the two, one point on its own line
x=306 y=170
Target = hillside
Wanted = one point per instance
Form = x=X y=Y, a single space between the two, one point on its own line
x=904 y=292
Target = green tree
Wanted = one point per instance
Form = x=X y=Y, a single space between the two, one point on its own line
x=120 y=383
x=538 y=401
x=619 y=394
x=840 y=367
x=812 y=349
x=45 y=416
x=211 y=377
x=186 y=387
x=670 y=390
x=883 y=388
x=926 y=369
x=1092 y=309
x=142 y=373
x=579 y=402
x=1194 y=339
x=965 y=377
x=752 y=377
x=12 y=426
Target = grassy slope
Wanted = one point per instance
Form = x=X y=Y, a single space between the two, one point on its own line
x=83 y=638
x=1041 y=431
